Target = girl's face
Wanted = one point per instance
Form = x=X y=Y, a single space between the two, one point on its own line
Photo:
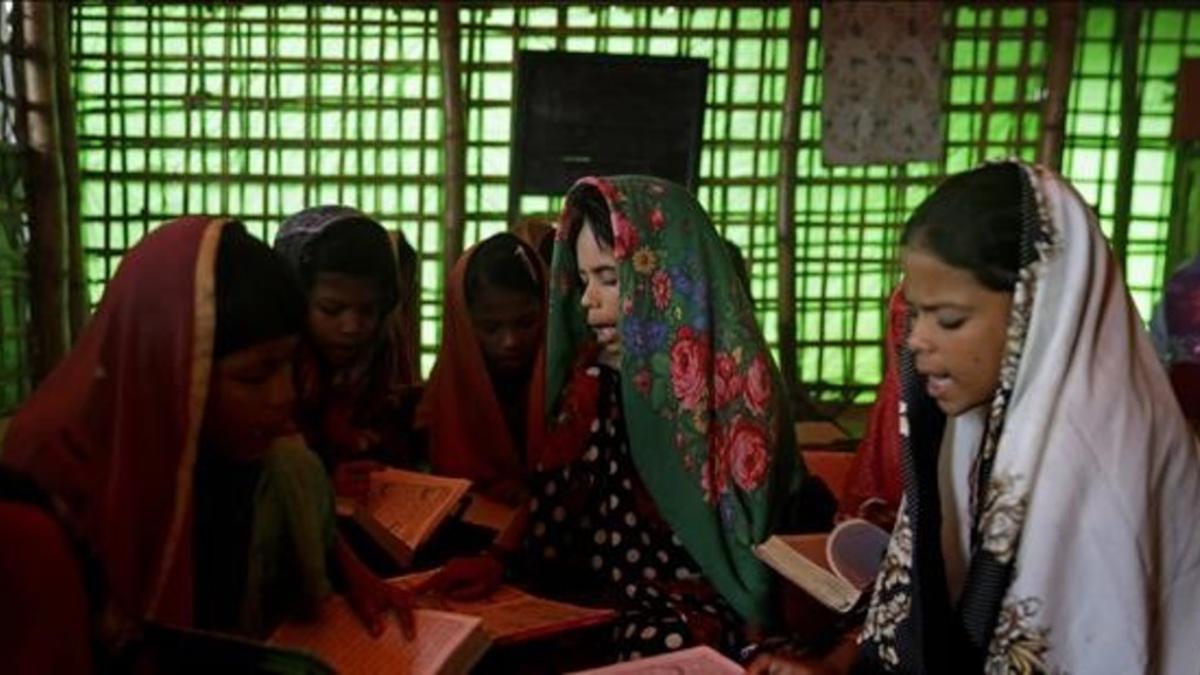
x=343 y=315
x=601 y=293
x=508 y=325
x=958 y=330
x=250 y=399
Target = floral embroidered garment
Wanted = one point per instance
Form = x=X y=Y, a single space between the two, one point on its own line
x=709 y=431
x=1076 y=525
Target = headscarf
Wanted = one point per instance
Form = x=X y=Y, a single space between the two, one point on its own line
x=369 y=392
x=113 y=429
x=875 y=471
x=1083 y=552
x=404 y=322
x=709 y=427
x=468 y=434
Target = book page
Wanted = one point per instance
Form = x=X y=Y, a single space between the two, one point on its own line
x=489 y=513
x=811 y=546
x=340 y=639
x=411 y=505
x=511 y=615
x=855 y=551
x=801 y=560
x=693 y=661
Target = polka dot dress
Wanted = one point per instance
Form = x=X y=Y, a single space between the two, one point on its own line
x=597 y=508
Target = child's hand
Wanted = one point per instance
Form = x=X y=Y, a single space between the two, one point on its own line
x=353 y=478
x=879 y=513
x=466 y=579
x=371 y=598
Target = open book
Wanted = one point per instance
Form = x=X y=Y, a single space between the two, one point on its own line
x=187 y=651
x=446 y=643
x=693 y=661
x=834 y=568
x=489 y=513
x=511 y=615
x=404 y=508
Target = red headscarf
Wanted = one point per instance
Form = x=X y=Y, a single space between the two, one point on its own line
x=404 y=321
x=875 y=471
x=468 y=434
x=113 y=429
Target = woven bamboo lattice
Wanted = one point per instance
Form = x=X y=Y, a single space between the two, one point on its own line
x=15 y=370
x=258 y=112
x=1093 y=151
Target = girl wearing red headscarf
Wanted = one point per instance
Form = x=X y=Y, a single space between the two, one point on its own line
x=161 y=435
x=482 y=407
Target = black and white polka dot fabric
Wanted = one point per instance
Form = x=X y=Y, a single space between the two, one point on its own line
x=593 y=518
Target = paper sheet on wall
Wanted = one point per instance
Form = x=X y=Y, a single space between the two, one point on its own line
x=882 y=78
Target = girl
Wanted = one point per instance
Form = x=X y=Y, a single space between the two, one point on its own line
x=159 y=434
x=672 y=451
x=483 y=403
x=351 y=375
x=1050 y=482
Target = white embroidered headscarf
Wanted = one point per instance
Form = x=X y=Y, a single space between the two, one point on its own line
x=1084 y=554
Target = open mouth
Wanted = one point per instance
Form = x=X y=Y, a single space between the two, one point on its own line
x=938 y=386
x=605 y=333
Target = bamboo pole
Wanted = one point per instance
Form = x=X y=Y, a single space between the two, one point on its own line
x=785 y=190
x=455 y=137
x=45 y=180
x=1131 y=113
x=1064 y=23
x=77 y=297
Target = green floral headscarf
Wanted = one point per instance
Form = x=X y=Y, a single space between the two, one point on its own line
x=707 y=416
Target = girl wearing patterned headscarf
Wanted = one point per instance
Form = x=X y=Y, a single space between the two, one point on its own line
x=670 y=451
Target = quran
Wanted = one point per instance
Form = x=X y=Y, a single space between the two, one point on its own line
x=834 y=568
x=445 y=642
x=403 y=508
x=512 y=616
x=693 y=661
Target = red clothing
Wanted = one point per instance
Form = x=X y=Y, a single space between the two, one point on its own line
x=44 y=618
x=113 y=429
x=875 y=471
x=468 y=432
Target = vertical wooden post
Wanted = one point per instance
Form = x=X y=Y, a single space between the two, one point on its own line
x=785 y=192
x=77 y=293
x=454 y=144
x=46 y=185
x=1064 y=22
x=1131 y=114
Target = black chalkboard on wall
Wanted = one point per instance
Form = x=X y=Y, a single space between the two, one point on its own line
x=599 y=114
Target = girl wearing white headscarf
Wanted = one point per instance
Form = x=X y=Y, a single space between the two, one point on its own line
x=1051 y=485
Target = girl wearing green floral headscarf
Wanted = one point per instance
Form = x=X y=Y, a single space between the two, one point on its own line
x=670 y=451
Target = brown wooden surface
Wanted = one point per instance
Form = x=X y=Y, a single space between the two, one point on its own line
x=48 y=239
